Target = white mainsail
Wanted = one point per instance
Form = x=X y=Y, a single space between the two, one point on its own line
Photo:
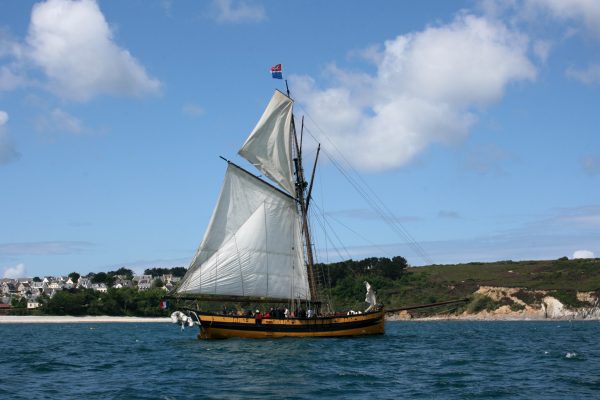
x=252 y=246
x=269 y=146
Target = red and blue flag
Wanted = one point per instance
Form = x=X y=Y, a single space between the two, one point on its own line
x=277 y=71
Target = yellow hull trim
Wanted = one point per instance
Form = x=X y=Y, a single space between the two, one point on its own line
x=223 y=327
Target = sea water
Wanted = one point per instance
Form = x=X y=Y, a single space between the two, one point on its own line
x=423 y=360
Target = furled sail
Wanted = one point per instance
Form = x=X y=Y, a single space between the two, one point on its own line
x=252 y=246
x=268 y=147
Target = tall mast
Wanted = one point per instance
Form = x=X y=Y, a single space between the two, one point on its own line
x=300 y=189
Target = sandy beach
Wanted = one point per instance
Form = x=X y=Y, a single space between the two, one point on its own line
x=67 y=319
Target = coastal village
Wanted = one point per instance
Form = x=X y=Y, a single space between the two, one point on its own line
x=31 y=292
x=550 y=289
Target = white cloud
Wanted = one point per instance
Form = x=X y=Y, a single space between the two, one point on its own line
x=238 y=11
x=60 y=121
x=449 y=214
x=580 y=219
x=591 y=164
x=486 y=158
x=10 y=79
x=541 y=48
x=367 y=214
x=425 y=90
x=586 y=220
x=167 y=6
x=10 y=76
x=8 y=151
x=193 y=109
x=73 y=44
x=586 y=11
x=588 y=76
x=43 y=248
x=583 y=254
x=18 y=271
x=9 y=47
x=372 y=54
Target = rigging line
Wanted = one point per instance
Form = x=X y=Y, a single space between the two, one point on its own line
x=326 y=270
x=380 y=208
x=388 y=219
x=323 y=213
x=237 y=250
x=266 y=243
x=341 y=258
x=326 y=279
x=325 y=222
x=421 y=251
x=349 y=257
x=359 y=235
x=386 y=215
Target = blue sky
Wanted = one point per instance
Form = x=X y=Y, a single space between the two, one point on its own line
x=475 y=122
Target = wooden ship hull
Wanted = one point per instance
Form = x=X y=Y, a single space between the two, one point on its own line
x=214 y=326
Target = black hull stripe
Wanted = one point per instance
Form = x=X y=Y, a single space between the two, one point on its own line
x=293 y=328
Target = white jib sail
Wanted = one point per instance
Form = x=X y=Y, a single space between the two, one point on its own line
x=268 y=147
x=252 y=246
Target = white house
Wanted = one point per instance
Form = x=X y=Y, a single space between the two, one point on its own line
x=31 y=304
x=122 y=282
x=100 y=287
x=85 y=283
x=144 y=282
x=69 y=283
x=9 y=288
x=56 y=285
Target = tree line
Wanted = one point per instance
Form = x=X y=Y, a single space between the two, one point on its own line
x=108 y=278
x=344 y=278
x=115 y=302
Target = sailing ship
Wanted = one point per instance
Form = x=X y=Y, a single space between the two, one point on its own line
x=257 y=248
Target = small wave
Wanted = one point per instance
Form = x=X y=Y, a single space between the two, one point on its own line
x=571 y=355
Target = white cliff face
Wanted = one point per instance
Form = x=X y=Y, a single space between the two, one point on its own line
x=545 y=307
x=554 y=309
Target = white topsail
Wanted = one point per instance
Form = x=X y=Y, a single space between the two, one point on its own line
x=269 y=146
x=252 y=246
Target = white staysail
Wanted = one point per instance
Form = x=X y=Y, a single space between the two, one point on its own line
x=252 y=246
x=370 y=297
x=268 y=147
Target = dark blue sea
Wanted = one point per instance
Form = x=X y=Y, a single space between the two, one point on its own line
x=422 y=360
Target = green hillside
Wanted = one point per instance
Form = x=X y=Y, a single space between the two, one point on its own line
x=403 y=286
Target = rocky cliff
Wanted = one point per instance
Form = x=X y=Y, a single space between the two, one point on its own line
x=504 y=303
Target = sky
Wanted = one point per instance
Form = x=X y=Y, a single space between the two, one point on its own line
x=475 y=123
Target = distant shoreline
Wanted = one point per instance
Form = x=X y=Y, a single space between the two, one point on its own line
x=67 y=319
x=102 y=319
x=469 y=319
x=488 y=317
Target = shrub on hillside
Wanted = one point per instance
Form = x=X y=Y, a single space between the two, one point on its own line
x=569 y=298
x=481 y=303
